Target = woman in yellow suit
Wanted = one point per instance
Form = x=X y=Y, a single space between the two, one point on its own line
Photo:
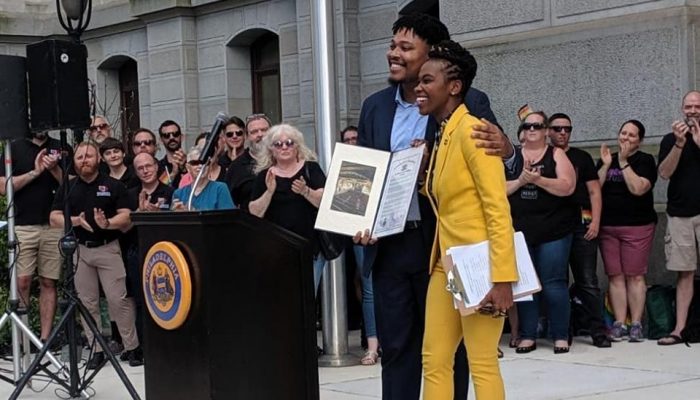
x=467 y=190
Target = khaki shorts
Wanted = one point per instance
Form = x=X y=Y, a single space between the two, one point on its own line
x=38 y=249
x=681 y=247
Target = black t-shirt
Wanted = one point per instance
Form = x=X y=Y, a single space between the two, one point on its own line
x=585 y=172
x=103 y=192
x=33 y=201
x=240 y=179
x=288 y=209
x=684 y=185
x=129 y=178
x=224 y=161
x=620 y=206
x=161 y=191
x=540 y=215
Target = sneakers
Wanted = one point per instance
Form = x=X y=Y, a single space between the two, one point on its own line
x=636 y=334
x=618 y=332
x=96 y=361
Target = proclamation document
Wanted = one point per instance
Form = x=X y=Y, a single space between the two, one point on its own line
x=471 y=264
x=368 y=189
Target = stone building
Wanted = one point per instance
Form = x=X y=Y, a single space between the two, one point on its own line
x=602 y=62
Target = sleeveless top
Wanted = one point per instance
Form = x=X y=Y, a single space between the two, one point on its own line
x=540 y=215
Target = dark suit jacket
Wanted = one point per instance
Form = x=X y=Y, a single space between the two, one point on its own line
x=374 y=130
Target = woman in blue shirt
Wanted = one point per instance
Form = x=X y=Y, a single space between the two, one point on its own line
x=208 y=195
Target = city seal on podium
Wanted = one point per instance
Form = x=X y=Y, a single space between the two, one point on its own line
x=167 y=285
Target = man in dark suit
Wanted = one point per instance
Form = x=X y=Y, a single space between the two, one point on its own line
x=390 y=121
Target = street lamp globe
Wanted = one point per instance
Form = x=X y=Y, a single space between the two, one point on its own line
x=74 y=8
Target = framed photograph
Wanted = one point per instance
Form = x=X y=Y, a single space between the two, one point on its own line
x=368 y=189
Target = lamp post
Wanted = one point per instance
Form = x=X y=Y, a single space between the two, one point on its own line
x=77 y=18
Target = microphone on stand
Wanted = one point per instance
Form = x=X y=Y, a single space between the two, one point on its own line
x=207 y=151
x=213 y=137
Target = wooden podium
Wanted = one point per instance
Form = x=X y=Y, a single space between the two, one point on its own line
x=250 y=330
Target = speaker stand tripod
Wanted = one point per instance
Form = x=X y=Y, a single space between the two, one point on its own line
x=73 y=307
x=11 y=314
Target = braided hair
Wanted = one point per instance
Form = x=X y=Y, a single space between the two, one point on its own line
x=459 y=63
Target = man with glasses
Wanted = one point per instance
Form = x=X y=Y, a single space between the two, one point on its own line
x=174 y=161
x=151 y=195
x=583 y=257
x=144 y=141
x=99 y=129
x=240 y=176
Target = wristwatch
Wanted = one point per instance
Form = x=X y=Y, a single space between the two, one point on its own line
x=33 y=174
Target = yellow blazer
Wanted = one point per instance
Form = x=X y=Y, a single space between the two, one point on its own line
x=467 y=190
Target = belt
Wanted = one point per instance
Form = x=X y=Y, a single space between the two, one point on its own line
x=93 y=243
x=412 y=225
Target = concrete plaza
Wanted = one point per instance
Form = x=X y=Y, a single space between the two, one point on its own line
x=633 y=371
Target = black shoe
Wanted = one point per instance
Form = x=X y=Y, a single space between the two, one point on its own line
x=601 y=341
x=96 y=361
x=135 y=357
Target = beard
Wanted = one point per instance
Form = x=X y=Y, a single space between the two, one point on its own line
x=173 y=145
x=41 y=135
x=256 y=147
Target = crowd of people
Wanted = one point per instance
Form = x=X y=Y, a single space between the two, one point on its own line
x=475 y=185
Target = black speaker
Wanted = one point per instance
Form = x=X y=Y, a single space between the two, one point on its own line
x=13 y=98
x=58 y=85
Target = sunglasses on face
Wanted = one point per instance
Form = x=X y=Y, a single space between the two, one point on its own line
x=278 y=144
x=138 y=143
x=95 y=128
x=194 y=163
x=175 y=134
x=559 y=129
x=527 y=126
x=230 y=134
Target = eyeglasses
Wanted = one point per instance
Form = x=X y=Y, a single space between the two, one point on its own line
x=138 y=143
x=100 y=127
x=144 y=167
x=527 y=126
x=278 y=144
x=194 y=163
x=559 y=129
x=252 y=117
x=230 y=134
x=174 y=134
x=351 y=139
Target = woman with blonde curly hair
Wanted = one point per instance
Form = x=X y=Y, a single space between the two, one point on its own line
x=289 y=186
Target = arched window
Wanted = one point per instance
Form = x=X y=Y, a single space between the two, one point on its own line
x=265 y=68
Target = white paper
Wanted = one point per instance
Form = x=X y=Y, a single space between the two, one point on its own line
x=472 y=264
x=399 y=188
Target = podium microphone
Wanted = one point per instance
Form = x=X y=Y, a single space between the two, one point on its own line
x=213 y=137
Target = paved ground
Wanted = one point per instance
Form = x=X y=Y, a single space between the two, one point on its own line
x=633 y=371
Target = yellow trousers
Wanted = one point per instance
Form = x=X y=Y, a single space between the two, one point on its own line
x=444 y=328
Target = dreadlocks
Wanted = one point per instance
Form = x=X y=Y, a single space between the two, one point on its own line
x=459 y=63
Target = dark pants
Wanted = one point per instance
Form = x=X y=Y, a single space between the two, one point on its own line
x=584 y=264
x=400 y=278
x=134 y=288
